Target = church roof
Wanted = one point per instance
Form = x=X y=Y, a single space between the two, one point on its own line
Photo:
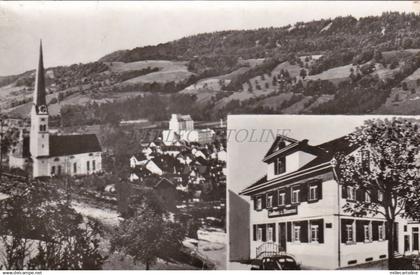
x=73 y=144
x=183 y=117
x=39 y=93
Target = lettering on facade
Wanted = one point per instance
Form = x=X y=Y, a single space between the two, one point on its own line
x=282 y=212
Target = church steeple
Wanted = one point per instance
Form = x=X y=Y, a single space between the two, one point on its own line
x=39 y=145
x=39 y=92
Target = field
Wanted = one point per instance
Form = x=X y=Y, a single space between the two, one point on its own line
x=334 y=75
x=168 y=70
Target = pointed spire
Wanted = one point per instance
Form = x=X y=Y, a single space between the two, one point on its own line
x=39 y=92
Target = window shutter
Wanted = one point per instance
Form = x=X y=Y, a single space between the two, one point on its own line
x=304 y=231
x=319 y=190
x=288 y=195
x=320 y=223
x=360 y=236
x=289 y=231
x=264 y=232
x=360 y=195
x=264 y=200
x=343 y=191
x=273 y=225
x=275 y=197
x=254 y=228
x=343 y=231
x=304 y=189
x=375 y=232
x=386 y=230
x=374 y=195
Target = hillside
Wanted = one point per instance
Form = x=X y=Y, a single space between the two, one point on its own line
x=341 y=65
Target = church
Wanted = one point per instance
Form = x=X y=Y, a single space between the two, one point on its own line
x=48 y=154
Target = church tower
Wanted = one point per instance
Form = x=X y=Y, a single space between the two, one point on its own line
x=39 y=137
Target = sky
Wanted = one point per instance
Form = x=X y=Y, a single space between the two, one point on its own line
x=74 y=32
x=245 y=154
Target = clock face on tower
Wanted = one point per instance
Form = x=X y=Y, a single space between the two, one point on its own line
x=42 y=109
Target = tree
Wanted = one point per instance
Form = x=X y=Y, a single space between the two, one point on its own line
x=147 y=236
x=37 y=220
x=302 y=73
x=386 y=171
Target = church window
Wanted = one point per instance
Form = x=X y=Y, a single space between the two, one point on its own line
x=56 y=159
x=59 y=170
x=53 y=170
x=75 y=167
x=93 y=165
x=88 y=165
x=42 y=119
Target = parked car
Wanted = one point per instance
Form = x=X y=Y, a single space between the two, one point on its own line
x=278 y=262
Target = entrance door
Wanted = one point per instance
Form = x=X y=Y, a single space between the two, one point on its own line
x=415 y=238
x=282 y=236
x=406 y=243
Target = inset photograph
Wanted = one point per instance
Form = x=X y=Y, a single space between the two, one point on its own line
x=323 y=192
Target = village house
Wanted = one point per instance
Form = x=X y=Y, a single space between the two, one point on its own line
x=297 y=207
x=50 y=154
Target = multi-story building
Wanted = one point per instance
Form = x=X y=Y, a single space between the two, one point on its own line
x=181 y=128
x=298 y=208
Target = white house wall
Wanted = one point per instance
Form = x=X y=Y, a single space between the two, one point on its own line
x=294 y=161
x=67 y=162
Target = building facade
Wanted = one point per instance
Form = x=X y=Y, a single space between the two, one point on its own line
x=298 y=208
x=49 y=154
x=181 y=128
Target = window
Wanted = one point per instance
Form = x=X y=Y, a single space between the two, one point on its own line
x=314 y=233
x=366 y=232
x=365 y=160
x=312 y=192
x=59 y=170
x=270 y=233
x=259 y=203
x=367 y=197
x=296 y=233
x=53 y=170
x=295 y=196
x=269 y=201
x=282 y=198
x=93 y=165
x=280 y=166
x=351 y=193
x=88 y=166
x=349 y=233
x=259 y=234
x=381 y=232
x=380 y=195
x=75 y=167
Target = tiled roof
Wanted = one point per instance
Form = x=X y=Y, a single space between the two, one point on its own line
x=324 y=153
x=73 y=144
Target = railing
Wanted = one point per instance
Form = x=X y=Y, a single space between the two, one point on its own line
x=268 y=249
